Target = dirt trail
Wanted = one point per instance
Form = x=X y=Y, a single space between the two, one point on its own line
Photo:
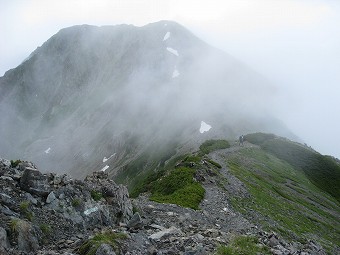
x=217 y=198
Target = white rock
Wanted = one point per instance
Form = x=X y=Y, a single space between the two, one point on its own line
x=91 y=210
x=166 y=232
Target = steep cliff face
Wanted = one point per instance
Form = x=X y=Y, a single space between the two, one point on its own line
x=91 y=93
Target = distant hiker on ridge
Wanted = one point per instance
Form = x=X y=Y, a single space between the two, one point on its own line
x=241 y=139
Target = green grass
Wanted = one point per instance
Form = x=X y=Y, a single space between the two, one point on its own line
x=266 y=178
x=96 y=195
x=76 y=202
x=90 y=247
x=24 y=209
x=178 y=187
x=214 y=163
x=147 y=178
x=152 y=159
x=45 y=228
x=212 y=145
x=15 y=163
x=323 y=171
x=243 y=245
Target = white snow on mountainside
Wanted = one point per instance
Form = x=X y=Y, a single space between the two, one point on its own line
x=175 y=73
x=173 y=51
x=166 y=37
x=204 y=127
x=106 y=159
x=104 y=168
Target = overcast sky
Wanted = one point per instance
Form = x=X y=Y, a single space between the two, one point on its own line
x=294 y=43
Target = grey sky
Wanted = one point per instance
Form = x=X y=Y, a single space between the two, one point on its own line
x=294 y=43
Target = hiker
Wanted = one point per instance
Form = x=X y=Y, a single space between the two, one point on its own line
x=241 y=139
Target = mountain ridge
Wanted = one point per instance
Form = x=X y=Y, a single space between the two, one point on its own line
x=253 y=202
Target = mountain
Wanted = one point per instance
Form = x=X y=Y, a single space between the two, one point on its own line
x=94 y=98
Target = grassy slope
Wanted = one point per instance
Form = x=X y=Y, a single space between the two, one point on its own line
x=285 y=198
x=323 y=171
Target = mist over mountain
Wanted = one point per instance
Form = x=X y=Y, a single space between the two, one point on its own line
x=98 y=97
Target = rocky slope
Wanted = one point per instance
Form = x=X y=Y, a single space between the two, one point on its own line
x=54 y=214
x=92 y=97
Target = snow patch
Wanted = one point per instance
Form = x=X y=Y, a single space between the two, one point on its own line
x=204 y=127
x=48 y=150
x=173 y=51
x=175 y=73
x=106 y=159
x=166 y=37
x=104 y=168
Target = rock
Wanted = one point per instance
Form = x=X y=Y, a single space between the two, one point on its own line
x=212 y=233
x=273 y=241
x=27 y=237
x=5 y=162
x=30 y=198
x=164 y=233
x=35 y=182
x=105 y=249
x=4 y=243
x=118 y=197
x=135 y=221
x=6 y=200
x=51 y=197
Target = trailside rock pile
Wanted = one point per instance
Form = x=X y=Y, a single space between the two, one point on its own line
x=39 y=211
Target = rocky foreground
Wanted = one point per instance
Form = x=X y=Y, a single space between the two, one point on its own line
x=54 y=214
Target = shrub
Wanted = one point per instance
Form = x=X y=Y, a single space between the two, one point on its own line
x=212 y=145
x=15 y=163
x=243 y=245
x=45 y=228
x=76 y=202
x=96 y=195
x=179 y=188
x=14 y=224
x=24 y=205
x=90 y=247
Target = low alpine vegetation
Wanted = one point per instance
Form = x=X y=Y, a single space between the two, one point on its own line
x=213 y=145
x=91 y=246
x=244 y=245
x=178 y=187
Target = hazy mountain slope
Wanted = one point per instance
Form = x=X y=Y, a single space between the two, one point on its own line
x=89 y=93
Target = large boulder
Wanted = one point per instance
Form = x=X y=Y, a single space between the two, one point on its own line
x=118 y=197
x=35 y=182
x=27 y=237
x=4 y=243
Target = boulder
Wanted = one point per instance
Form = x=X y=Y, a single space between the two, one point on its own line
x=165 y=233
x=50 y=198
x=35 y=182
x=27 y=237
x=135 y=221
x=105 y=249
x=118 y=197
x=4 y=243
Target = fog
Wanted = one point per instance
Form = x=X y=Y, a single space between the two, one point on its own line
x=294 y=44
